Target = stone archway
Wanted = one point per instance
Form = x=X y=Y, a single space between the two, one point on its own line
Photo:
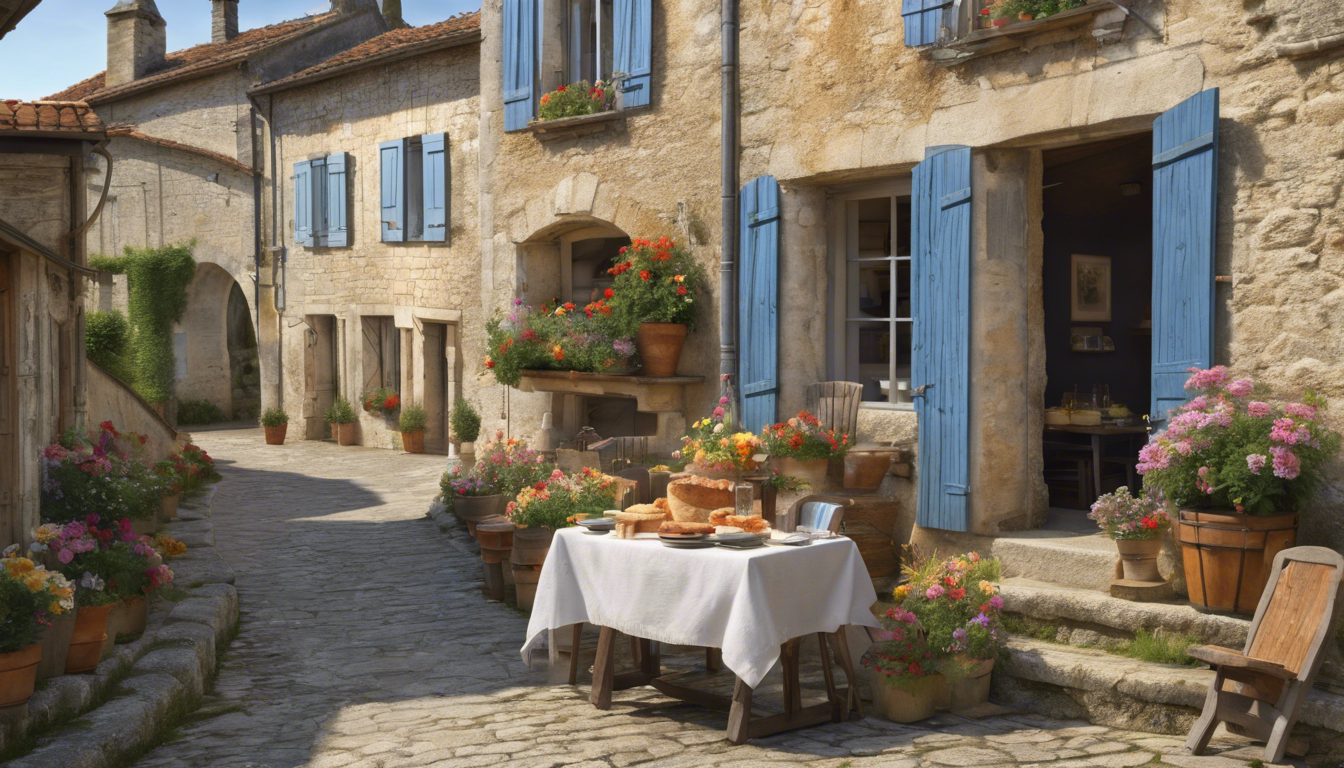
x=216 y=346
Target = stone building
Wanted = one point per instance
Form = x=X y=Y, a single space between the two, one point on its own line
x=44 y=169
x=186 y=140
x=373 y=202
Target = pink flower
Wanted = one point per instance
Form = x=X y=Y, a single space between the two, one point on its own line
x=1240 y=388
x=1286 y=464
x=996 y=602
x=723 y=400
x=1256 y=462
x=1184 y=447
x=718 y=413
x=1258 y=409
x=1300 y=411
x=934 y=592
x=1198 y=404
x=1286 y=431
x=1153 y=456
x=1206 y=381
x=65 y=556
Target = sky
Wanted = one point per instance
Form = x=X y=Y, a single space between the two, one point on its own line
x=64 y=41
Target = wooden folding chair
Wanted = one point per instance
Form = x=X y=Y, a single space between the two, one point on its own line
x=836 y=404
x=1263 y=687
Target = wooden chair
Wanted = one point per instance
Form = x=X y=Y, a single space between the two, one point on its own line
x=1263 y=687
x=836 y=403
x=821 y=511
x=639 y=476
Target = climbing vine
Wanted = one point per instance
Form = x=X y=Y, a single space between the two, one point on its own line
x=158 y=280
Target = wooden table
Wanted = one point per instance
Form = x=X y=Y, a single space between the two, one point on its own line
x=840 y=704
x=1098 y=434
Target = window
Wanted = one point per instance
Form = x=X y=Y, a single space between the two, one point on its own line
x=549 y=43
x=870 y=304
x=320 y=202
x=942 y=22
x=381 y=353
x=413 y=187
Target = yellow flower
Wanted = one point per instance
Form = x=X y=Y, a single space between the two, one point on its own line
x=988 y=587
x=901 y=592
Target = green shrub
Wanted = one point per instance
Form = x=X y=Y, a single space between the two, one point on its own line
x=412 y=418
x=193 y=412
x=274 y=417
x=106 y=338
x=341 y=412
x=466 y=422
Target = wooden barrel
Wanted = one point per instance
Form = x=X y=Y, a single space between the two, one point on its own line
x=1228 y=556
x=495 y=536
x=525 y=578
x=474 y=510
x=530 y=547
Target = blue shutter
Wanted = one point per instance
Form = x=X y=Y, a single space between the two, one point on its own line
x=433 y=146
x=923 y=20
x=941 y=274
x=758 y=303
x=632 y=49
x=318 y=196
x=303 y=203
x=1185 y=191
x=338 y=233
x=519 y=57
x=392 y=182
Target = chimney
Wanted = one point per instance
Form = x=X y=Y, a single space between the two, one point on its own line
x=392 y=14
x=136 y=41
x=223 y=20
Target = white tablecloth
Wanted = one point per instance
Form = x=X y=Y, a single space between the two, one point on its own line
x=746 y=602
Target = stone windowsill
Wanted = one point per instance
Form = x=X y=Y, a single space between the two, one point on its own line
x=983 y=42
x=573 y=127
x=652 y=394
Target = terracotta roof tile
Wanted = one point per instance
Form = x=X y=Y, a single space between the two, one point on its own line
x=49 y=116
x=195 y=60
x=406 y=41
x=129 y=131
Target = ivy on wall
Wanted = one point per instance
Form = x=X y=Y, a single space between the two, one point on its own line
x=157 y=279
x=107 y=336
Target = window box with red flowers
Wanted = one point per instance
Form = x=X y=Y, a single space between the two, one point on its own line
x=991 y=26
x=576 y=109
x=381 y=401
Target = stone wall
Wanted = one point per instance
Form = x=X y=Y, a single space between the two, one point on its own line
x=112 y=400
x=412 y=283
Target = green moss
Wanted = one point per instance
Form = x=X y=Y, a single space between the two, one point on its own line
x=1160 y=648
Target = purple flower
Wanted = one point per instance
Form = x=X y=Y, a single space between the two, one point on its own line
x=65 y=556
x=982 y=620
x=517 y=302
x=996 y=603
x=1256 y=462
x=959 y=635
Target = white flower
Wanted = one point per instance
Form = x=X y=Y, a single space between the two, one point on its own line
x=718 y=427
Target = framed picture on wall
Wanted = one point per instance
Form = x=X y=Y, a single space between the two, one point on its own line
x=1090 y=288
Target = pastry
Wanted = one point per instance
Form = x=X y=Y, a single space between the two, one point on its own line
x=647 y=519
x=691 y=498
x=674 y=527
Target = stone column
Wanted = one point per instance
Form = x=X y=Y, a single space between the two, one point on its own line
x=1007 y=343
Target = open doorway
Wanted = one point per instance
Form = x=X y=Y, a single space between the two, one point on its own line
x=1097 y=284
x=321 y=374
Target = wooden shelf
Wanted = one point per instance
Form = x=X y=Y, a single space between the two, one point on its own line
x=983 y=42
x=652 y=394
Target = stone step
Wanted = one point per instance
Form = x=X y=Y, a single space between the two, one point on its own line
x=1063 y=681
x=1088 y=617
x=1081 y=559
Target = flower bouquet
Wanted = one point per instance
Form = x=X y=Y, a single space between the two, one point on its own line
x=503 y=469
x=381 y=401
x=711 y=449
x=905 y=669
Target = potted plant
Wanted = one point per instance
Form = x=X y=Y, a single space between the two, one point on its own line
x=656 y=291
x=1136 y=525
x=466 y=425
x=171 y=488
x=1007 y=11
x=541 y=509
x=480 y=491
x=381 y=401
x=712 y=450
x=29 y=596
x=803 y=447
x=957 y=605
x=576 y=99
x=1239 y=470
x=343 y=417
x=411 y=423
x=275 y=422
x=565 y=337
x=907 y=680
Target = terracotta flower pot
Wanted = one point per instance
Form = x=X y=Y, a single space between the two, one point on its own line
x=477 y=509
x=1139 y=558
x=1227 y=556
x=1024 y=16
x=145 y=526
x=966 y=689
x=866 y=470
x=1001 y=23
x=56 y=645
x=909 y=704
x=814 y=473
x=86 y=642
x=659 y=346
x=530 y=547
x=345 y=434
x=413 y=442
x=132 y=617
x=276 y=435
x=335 y=429
x=168 y=506
x=18 y=674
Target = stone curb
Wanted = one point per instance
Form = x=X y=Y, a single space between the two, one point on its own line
x=152 y=681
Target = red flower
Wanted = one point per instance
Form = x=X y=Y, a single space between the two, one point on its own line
x=958 y=594
x=391 y=403
x=562 y=89
x=916 y=669
x=569 y=306
x=609 y=293
x=985 y=608
x=644 y=274
x=681 y=290
x=539 y=486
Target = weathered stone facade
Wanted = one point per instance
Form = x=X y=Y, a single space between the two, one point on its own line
x=355 y=314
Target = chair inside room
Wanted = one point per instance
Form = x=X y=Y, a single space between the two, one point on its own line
x=836 y=404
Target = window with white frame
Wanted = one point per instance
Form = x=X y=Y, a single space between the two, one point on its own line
x=871 y=323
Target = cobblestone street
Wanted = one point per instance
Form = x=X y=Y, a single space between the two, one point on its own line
x=364 y=641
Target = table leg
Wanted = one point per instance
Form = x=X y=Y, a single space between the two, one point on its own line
x=713 y=659
x=793 y=695
x=575 y=638
x=646 y=659
x=1096 y=466
x=842 y=650
x=603 y=669
x=739 y=717
x=838 y=713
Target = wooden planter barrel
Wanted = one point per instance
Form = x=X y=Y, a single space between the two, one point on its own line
x=1138 y=558
x=530 y=547
x=18 y=674
x=474 y=510
x=496 y=540
x=56 y=645
x=413 y=442
x=1227 y=556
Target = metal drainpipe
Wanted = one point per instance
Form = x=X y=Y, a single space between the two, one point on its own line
x=729 y=190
